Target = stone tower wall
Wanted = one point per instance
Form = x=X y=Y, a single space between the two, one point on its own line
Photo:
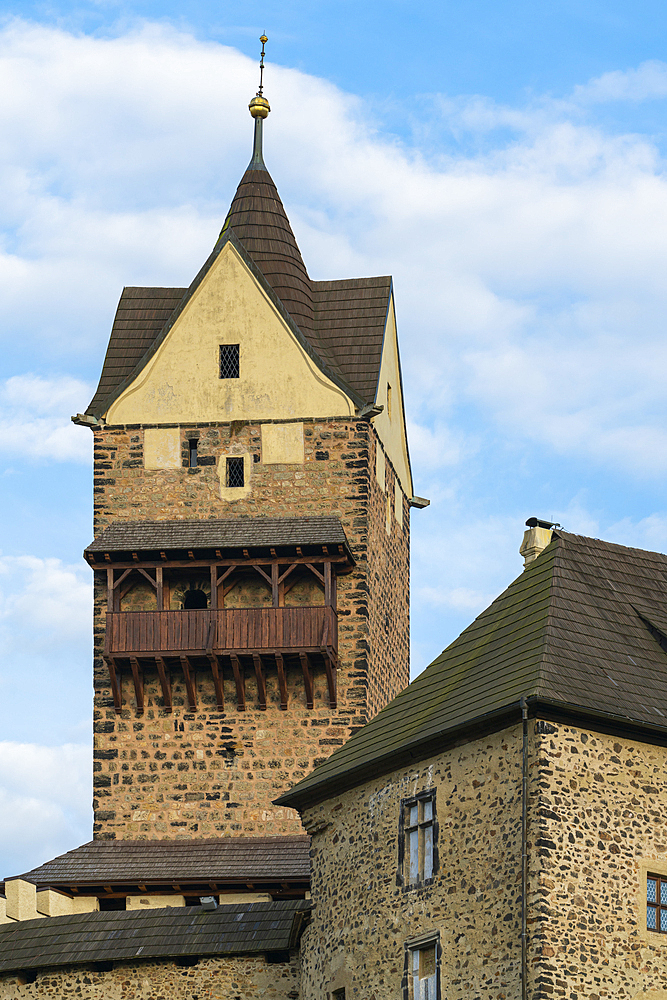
x=204 y=773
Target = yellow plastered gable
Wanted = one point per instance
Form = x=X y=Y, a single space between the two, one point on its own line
x=390 y=424
x=181 y=383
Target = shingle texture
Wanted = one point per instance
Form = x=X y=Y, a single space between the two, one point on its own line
x=227 y=859
x=130 y=935
x=140 y=316
x=341 y=321
x=582 y=628
x=220 y=533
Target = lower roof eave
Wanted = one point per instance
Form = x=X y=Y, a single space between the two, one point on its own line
x=549 y=709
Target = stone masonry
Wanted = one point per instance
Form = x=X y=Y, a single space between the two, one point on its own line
x=243 y=977
x=206 y=773
x=596 y=828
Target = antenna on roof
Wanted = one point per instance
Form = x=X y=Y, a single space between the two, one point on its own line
x=259 y=108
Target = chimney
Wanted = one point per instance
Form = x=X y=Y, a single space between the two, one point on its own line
x=535 y=539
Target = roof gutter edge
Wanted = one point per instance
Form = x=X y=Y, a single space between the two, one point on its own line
x=559 y=711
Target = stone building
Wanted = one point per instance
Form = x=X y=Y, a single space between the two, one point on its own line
x=497 y=831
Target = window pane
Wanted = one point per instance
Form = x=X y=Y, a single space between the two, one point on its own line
x=428 y=852
x=229 y=360
x=428 y=988
x=651 y=918
x=235 y=472
x=663 y=893
x=413 y=842
x=427 y=962
x=428 y=809
x=651 y=891
x=663 y=920
x=413 y=816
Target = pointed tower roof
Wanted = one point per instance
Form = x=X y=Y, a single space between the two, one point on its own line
x=581 y=635
x=259 y=221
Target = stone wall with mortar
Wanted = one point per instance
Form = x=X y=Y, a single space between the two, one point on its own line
x=599 y=827
x=362 y=917
x=203 y=773
x=229 y=978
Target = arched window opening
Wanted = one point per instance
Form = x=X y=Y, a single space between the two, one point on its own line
x=194 y=600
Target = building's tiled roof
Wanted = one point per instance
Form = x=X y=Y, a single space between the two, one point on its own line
x=138 y=935
x=219 y=533
x=140 y=316
x=350 y=320
x=260 y=223
x=583 y=630
x=341 y=323
x=224 y=859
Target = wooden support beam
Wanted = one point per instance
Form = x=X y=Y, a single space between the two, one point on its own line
x=261 y=683
x=217 y=681
x=120 y=579
x=307 y=679
x=138 y=678
x=282 y=681
x=239 y=680
x=316 y=572
x=275 y=591
x=165 y=682
x=189 y=675
x=159 y=580
x=214 y=587
x=110 y=590
x=330 y=667
x=327 y=584
x=114 y=677
x=150 y=579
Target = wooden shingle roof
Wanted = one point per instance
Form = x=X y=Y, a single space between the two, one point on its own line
x=581 y=633
x=341 y=323
x=222 y=859
x=219 y=533
x=138 y=935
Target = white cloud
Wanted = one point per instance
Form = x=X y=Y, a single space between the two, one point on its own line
x=648 y=81
x=45 y=803
x=35 y=418
x=45 y=606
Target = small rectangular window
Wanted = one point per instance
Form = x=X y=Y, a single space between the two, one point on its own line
x=388 y=400
x=193 y=453
x=656 y=903
x=417 y=840
x=229 y=361
x=423 y=973
x=235 y=473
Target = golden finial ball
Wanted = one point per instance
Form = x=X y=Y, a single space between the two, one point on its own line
x=263 y=39
x=259 y=107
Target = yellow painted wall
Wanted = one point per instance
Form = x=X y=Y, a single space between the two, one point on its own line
x=391 y=428
x=181 y=384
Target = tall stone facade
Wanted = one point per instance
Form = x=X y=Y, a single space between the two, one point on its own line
x=171 y=773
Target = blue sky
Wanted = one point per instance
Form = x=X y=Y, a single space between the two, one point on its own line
x=505 y=162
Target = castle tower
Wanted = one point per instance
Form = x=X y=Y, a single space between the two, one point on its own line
x=251 y=520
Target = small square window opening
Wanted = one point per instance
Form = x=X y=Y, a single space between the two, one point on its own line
x=419 y=834
x=656 y=903
x=423 y=973
x=338 y=994
x=235 y=473
x=229 y=361
x=193 y=453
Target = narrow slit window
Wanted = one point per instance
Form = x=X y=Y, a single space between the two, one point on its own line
x=235 y=473
x=229 y=361
x=388 y=400
x=656 y=903
x=193 y=453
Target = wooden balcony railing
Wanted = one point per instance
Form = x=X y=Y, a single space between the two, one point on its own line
x=233 y=630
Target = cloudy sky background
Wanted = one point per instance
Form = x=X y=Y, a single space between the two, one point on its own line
x=505 y=165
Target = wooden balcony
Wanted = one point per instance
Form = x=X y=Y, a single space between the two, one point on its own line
x=221 y=636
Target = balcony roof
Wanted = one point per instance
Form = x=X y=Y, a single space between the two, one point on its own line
x=125 y=537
